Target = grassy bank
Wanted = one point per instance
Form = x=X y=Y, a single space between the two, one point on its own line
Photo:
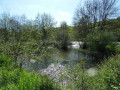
x=107 y=77
x=14 y=78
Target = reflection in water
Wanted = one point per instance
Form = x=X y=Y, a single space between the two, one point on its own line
x=70 y=57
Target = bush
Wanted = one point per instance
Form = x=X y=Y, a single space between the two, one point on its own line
x=28 y=81
x=117 y=48
x=8 y=77
x=22 y=80
x=31 y=81
x=98 y=40
x=110 y=72
x=107 y=77
x=48 y=84
x=4 y=60
x=77 y=76
x=19 y=79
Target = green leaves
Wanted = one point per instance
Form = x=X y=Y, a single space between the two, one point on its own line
x=4 y=60
x=98 y=40
x=18 y=79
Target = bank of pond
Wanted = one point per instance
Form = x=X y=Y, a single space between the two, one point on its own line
x=106 y=76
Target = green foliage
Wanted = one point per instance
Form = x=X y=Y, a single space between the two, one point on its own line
x=110 y=72
x=22 y=80
x=28 y=81
x=18 y=79
x=4 y=60
x=117 y=47
x=48 y=84
x=77 y=76
x=62 y=36
x=107 y=77
x=8 y=77
x=98 y=41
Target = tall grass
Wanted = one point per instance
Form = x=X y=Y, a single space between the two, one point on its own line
x=12 y=78
x=107 y=77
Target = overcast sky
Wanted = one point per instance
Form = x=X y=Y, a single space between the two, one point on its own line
x=61 y=10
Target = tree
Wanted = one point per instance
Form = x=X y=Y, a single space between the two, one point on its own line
x=81 y=23
x=100 y=44
x=4 y=26
x=93 y=15
x=63 y=36
x=101 y=10
x=45 y=23
x=21 y=39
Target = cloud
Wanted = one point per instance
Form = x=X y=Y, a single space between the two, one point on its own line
x=61 y=13
x=59 y=20
x=62 y=16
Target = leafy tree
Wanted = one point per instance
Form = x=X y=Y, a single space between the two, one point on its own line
x=99 y=43
x=63 y=36
x=22 y=39
x=45 y=23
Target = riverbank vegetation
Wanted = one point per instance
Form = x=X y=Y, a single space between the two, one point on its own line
x=38 y=38
x=15 y=78
x=106 y=77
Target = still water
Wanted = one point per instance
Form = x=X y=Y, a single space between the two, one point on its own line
x=67 y=58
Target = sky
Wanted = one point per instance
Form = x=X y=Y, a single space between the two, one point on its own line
x=61 y=10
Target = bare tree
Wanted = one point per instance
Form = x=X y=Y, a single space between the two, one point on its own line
x=4 y=21
x=81 y=23
x=96 y=11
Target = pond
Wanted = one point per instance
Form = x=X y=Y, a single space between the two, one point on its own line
x=66 y=58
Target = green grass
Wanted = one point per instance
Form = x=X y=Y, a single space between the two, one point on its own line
x=107 y=77
x=117 y=48
x=12 y=78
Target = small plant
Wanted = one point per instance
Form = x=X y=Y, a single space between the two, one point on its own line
x=77 y=76
x=28 y=81
x=4 y=60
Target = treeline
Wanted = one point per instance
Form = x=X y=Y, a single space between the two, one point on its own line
x=31 y=38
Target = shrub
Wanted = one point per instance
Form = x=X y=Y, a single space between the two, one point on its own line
x=8 y=76
x=110 y=72
x=77 y=76
x=22 y=80
x=98 y=40
x=107 y=77
x=4 y=60
x=18 y=79
x=48 y=84
x=28 y=81
x=117 y=48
